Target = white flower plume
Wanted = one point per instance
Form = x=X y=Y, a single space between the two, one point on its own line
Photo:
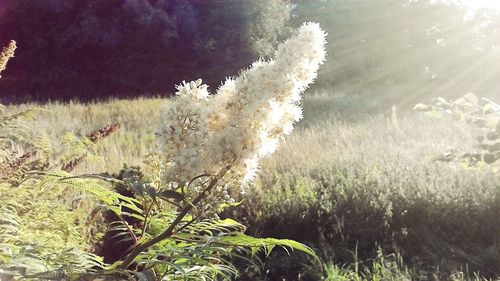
x=247 y=117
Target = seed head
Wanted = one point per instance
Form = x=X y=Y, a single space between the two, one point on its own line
x=6 y=54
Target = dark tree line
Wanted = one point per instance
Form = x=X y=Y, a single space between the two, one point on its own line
x=94 y=49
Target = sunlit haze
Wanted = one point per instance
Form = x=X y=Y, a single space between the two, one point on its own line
x=477 y=4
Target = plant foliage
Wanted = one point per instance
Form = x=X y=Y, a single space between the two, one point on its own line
x=484 y=117
x=50 y=222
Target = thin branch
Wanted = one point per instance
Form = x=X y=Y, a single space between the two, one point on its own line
x=172 y=202
x=197 y=177
x=129 y=230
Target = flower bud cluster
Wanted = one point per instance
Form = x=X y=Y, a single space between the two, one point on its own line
x=218 y=197
x=243 y=122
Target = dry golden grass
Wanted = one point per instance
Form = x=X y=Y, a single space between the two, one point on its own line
x=138 y=119
x=328 y=133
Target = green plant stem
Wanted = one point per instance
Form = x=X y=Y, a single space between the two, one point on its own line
x=170 y=230
x=146 y=218
x=129 y=230
x=187 y=224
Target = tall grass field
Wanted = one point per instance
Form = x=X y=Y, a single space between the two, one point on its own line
x=363 y=190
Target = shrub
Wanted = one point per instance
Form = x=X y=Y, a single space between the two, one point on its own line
x=204 y=152
x=484 y=117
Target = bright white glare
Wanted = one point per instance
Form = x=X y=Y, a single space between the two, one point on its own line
x=478 y=4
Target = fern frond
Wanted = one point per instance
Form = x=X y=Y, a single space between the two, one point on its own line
x=91 y=184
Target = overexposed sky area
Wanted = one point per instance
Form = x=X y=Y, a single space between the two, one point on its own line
x=493 y=4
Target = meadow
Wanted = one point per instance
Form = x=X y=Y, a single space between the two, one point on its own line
x=356 y=183
x=111 y=168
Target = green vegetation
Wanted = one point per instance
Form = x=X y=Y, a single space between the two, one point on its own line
x=349 y=188
x=135 y=189
x=159 y=222
x=57 y=226
x=366 y=188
